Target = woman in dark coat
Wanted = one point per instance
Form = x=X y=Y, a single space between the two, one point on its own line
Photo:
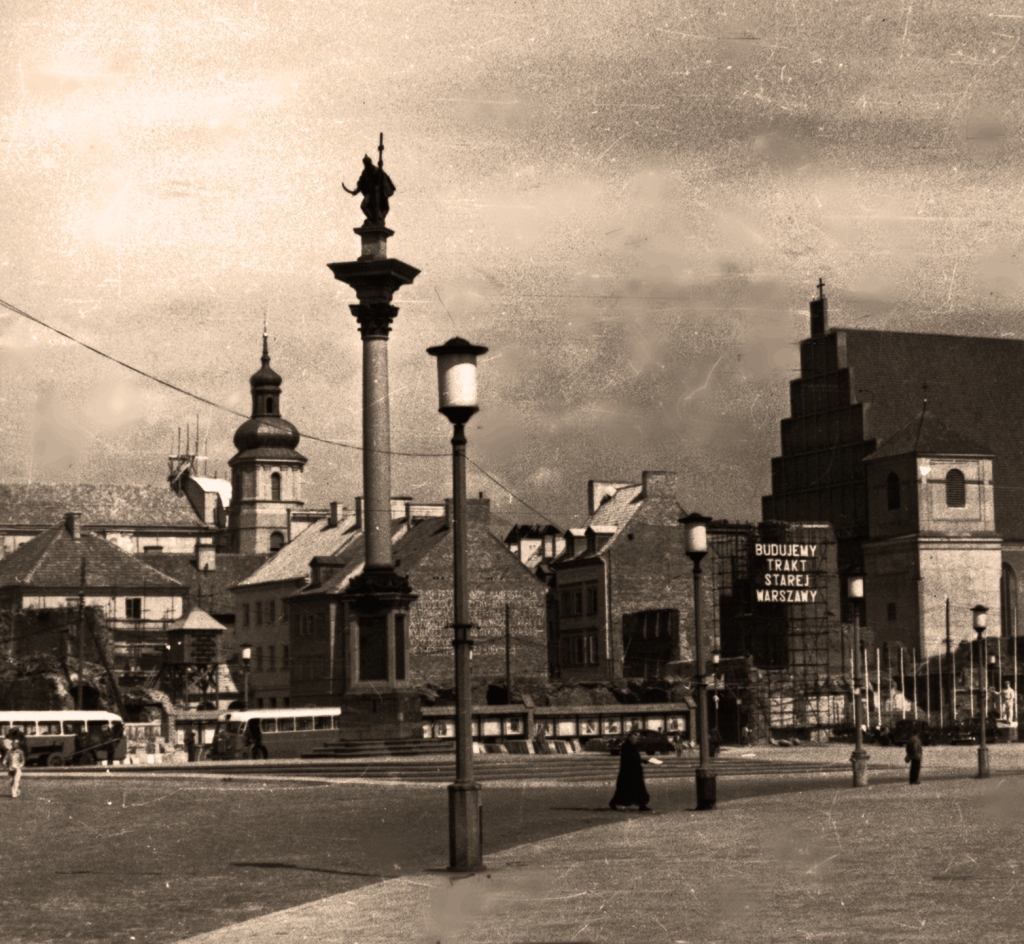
x=630 y=789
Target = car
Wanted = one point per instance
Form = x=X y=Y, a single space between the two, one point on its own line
x=650 y=743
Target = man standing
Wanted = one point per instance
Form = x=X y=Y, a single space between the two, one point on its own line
x=915 y=751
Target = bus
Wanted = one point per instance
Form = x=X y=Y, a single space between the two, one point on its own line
x=272 y=732
x=56 y=738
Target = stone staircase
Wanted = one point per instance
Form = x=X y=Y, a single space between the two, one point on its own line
x=390 y=747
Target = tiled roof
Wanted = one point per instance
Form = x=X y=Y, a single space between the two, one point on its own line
x=927 y=435
x=211 y=588
x=54 y=560
x=292 y=561
x=40 y=505
x=973 y=384
x=617 y=511
x=197 y=618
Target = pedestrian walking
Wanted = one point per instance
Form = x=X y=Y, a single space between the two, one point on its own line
x=14 y=758
x=915 y=751
x=630 y=789
x=190 y=745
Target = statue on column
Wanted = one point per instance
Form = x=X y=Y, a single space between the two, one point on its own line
x=1007 y=704
x=376 y=187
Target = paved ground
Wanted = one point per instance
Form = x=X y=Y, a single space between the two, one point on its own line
x=151 y=859
x=937 y=862
x=890 y=863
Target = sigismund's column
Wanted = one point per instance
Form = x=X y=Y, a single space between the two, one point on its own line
x=377 y=601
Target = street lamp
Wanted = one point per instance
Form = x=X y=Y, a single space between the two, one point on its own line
x=980 y=622
x=246 y=656
x=696 y=531
x=859 y=758
x=456 y=382
x=716 y=658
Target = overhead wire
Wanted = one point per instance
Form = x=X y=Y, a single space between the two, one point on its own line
x=227 y=409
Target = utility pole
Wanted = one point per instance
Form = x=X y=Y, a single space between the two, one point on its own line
x=508 y=654
x=81 y=639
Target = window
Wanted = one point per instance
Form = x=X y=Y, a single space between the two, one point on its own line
x=1008 y=600
x=591 y=590
x=272 y=611
x=258 y=652
x=892 y=491
x=259 y=614
x=276 y=541
x=133 y=608
x=284 y=657
x=890 y=611
x=273 y=702
x=956 y=490
x=245 y=614
x=272 y=661
x=275 y=486
x=270 y=404
x=322 y=722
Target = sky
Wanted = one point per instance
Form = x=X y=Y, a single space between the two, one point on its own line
x=629 y=204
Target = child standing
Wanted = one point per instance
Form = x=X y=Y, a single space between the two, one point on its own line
x=14 y=759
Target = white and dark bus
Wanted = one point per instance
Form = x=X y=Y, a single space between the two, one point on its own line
x=56 y=738
x=272 y=732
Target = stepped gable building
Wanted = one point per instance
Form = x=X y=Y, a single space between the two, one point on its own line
x=334 y=652
x=857 y=397
x=266 y=472
x=133 y=517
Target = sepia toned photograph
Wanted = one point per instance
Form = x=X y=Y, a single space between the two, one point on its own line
x=526 y=471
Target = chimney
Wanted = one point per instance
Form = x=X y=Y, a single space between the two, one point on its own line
x=819 y=312
x=73 y=524
x=333 y=520
x=659 y=485
x=206 y=555
x=359 y=512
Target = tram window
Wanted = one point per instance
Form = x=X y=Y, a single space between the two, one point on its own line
x=268 y=725
x=285 y=724
x=49 y=727
x=73 y=727
x=322 y=722
x=303 y=724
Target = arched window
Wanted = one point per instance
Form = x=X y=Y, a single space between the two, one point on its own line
x=956 y=490
x=275 y=486
x=276 y=541
x=270 y=404
x=1008 y=601
x=892 y=491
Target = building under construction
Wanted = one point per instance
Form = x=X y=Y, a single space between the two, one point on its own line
x=780 y=634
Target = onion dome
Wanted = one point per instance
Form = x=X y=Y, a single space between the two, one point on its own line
x=266 y=429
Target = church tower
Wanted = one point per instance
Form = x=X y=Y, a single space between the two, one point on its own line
x=932 y=536
x=266 y=472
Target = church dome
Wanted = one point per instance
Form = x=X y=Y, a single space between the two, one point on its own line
x=266 y=432
x=266 y=429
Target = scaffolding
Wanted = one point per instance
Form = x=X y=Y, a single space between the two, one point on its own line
x=777 y=622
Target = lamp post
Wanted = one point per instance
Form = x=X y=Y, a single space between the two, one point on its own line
x=246 y=657
x=980 y=622
x=859 y=758
x=696 y=531
x=716 y=658
x=456 y=380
